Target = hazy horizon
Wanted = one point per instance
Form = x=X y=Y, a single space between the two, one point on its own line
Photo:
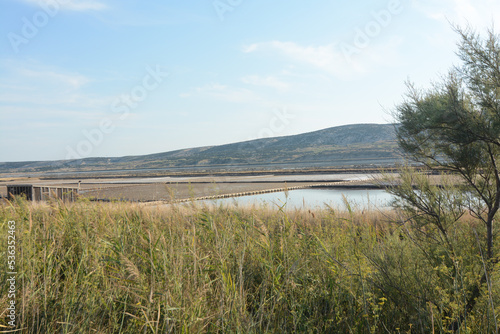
x=108 y=78
x=194 y=147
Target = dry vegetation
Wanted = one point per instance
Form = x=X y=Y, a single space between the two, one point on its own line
x=125 y=268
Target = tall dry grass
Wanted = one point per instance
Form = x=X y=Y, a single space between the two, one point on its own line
x=124 y=268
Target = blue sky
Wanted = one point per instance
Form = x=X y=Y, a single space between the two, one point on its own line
x=84 y=78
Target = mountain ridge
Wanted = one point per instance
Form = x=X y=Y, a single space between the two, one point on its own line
x=353 y=144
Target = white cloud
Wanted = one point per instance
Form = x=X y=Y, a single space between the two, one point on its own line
x=250 y=48
x=74 y=81
x=24 y=113
x=72 y=5
x=334 y=58
x=326 y=57
x=31 y=83
x=479 y=14
x=268 y=81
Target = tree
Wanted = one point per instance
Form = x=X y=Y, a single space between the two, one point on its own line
x=455 y=126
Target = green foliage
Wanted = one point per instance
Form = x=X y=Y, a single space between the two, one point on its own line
x=454 y=126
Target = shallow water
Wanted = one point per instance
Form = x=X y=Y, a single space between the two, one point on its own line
x=314 y=198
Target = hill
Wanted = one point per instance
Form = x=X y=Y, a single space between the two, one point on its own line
x=349 y=145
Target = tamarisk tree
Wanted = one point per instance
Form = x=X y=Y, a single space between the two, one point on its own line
x=455 y=126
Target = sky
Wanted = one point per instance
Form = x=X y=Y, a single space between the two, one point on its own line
x=108 y=78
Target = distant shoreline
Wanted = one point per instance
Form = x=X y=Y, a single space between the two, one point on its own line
x=135 y=173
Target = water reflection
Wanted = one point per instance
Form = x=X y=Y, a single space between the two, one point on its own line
x=314 y=198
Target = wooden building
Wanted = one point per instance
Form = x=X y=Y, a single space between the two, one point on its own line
x=42 y=193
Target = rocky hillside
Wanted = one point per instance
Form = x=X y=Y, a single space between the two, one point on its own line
x=358 y=145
